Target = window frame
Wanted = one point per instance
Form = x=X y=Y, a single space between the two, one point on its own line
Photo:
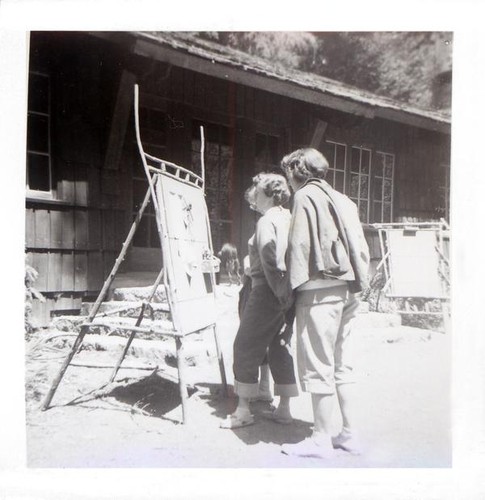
x=360 y=175
x=383 y=177
x=37 y=193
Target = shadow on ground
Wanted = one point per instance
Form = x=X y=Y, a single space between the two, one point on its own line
x=154 y=395
x=264 y=430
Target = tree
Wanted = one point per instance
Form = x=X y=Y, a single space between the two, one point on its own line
x=401 y=65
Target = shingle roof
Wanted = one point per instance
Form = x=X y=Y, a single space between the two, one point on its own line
x=216 y=53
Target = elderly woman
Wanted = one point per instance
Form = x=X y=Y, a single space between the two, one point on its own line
x=327 y=263
x=263 y=317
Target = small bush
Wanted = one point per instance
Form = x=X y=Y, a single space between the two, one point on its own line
x=31 y=292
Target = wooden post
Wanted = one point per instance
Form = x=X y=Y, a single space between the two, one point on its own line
x=182 y=378
x=220 y=359
x=318 y=134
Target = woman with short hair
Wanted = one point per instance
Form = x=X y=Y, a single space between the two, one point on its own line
x=263 y=317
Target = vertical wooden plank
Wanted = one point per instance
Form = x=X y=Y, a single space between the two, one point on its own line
x=249 y=103
x=177 y=84
x=81 y=229
x=95 y=271
x=94 y=194
x=54 y=278
x=108 y=229
x=189 y=87
x=41 y=265
x=80 y=271
x=67 y=277
x=94 y=230
x=29 y=227
x=81 y=185
x=56 y=228
x=68 y=235
x=65 y=189
x=119 y=120
x=42 y=228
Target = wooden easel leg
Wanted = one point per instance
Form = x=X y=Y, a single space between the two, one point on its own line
x=60 y=374
x=220 y=359
x=138 y=323
x=182 y=378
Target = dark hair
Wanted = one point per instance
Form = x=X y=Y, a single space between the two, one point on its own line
x=274 y=186
x=305 y=163
x=230 y=262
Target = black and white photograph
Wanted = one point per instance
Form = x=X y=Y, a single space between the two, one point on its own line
x=239 y=252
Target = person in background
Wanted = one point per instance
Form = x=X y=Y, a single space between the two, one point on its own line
x=230 y=262
x=327 y=262
x=263 y=317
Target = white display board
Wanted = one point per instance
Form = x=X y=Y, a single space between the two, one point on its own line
x=414 y=264
x=186 y=250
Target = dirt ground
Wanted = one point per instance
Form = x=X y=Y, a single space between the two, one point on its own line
x=404 y=406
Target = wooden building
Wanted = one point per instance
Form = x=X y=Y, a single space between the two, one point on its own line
x=85 y=180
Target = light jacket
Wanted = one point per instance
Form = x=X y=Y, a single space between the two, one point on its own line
x=326 y=239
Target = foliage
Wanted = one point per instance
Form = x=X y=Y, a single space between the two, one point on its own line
x=31 y=292
x=400 y=65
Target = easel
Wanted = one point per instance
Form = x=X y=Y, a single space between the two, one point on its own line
x=415 y=265
x=159 y=174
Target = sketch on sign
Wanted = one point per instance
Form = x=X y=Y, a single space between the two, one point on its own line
x=185 y=227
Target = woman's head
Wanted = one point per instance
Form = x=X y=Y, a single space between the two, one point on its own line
x=304 y=164
x=268 y=190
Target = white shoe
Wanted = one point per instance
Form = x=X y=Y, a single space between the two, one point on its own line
x=309 y=447
x=348 y=442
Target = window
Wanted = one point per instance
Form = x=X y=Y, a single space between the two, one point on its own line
x=267 y=157
x=39 y=173
x=336 y=154
x=153 y=131
x=383 y=169
x=218 y=161
x=443 y=208
x=360 y=163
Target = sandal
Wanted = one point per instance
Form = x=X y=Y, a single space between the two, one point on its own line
x=237 y=421
x=273 y=416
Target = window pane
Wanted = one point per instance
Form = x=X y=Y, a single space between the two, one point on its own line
x=387 y=212
x=387 y=190
x=389 y=166
x=363 y=211
x=354 y=186
x=365 y=166
x=378 y=189
x=340 y=156
x=378 y=164
x=339 y=181
x=328 y=152
x=364 y=186
x=377 y=211
x=226 y=151
x=211 y=200
x=38 y=133
x=224 y=209
x=38 y=172
x=355 y=160
x=38 y=93
x=212 y=171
